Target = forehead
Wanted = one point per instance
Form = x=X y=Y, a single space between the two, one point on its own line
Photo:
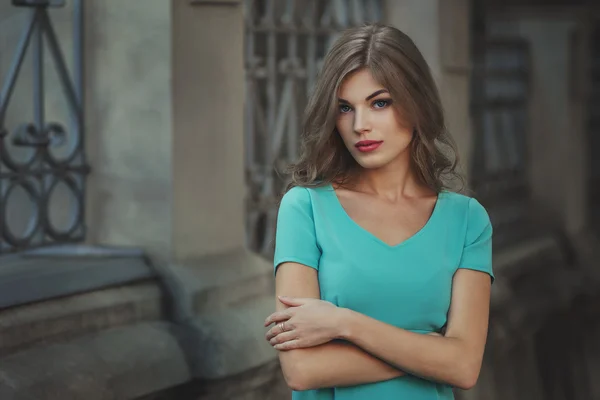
x=358 y=85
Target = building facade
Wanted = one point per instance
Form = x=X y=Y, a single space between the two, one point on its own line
x=139 y=145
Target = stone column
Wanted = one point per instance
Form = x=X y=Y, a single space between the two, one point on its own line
x=208 y=129
x=165 y=126
x=129 y=125
x=440 y=28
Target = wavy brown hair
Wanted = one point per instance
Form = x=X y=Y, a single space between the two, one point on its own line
x=398 y=65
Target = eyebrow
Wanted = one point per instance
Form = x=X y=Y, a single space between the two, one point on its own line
x=369 y=97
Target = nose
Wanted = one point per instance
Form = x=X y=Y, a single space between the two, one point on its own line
x=361 y=121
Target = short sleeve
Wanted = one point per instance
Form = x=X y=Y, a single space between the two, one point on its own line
x=477 y=252
x=295 y=238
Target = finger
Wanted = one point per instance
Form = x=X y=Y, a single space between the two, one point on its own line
x=293 y=301
x=282 y=338
x=274 y=331
x=278 y=316
x=289 y=345
x=271 y=333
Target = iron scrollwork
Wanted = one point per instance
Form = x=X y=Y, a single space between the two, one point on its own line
x=37 y=171
x=285 y=44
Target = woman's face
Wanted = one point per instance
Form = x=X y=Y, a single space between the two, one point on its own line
x=371 y=128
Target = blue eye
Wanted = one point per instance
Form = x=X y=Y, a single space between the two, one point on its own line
x=381 y=103
x=345 y=109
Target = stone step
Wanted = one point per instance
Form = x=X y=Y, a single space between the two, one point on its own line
x=64 y=318
x=57 y=272
x=119 y=363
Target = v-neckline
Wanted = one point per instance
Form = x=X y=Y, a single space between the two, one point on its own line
x=374 y=237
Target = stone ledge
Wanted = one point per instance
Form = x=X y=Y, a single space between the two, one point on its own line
x=68 y=317
x=221 y=281
x=228 y=342
x=134 y=361
x=227 y=297
x=39 y=276
x=263 y=383
x=121 y=363
x=219 y=304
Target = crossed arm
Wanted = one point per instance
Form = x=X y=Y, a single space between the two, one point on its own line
x=332 y=364
x=373 y=351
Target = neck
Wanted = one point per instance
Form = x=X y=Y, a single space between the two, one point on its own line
x=392 y=181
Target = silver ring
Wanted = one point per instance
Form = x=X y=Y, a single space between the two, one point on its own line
x=282 y=326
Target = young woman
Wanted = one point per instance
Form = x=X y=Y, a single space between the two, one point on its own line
x=383 y=275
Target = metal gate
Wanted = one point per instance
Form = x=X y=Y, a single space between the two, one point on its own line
x=286 y=42
x=42 y=158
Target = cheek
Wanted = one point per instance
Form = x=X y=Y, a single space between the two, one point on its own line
x=344 y=128
x=396 y=130
x=402 y=140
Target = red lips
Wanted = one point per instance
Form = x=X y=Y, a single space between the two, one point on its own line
x=368 y=145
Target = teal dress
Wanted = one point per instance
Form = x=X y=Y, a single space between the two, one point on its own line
x=407 y=285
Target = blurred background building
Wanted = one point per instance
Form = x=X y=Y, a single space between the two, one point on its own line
x=139 y=148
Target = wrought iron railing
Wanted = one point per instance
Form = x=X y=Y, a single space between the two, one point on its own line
x=285 y=43
x=42 y=162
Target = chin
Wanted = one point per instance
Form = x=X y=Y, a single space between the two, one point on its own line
x=371 y=163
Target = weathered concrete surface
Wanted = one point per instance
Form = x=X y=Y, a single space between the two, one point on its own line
x=262 y=383
x=128 y=120
x=64 y=318
x=228 y=296
x=29 y=279
x=120 y=363
x=114 y=340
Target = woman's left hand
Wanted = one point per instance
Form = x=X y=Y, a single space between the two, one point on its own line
x=307 y=323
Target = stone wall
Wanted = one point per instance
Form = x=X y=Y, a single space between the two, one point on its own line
x=186 y=304
x=129 y=124
x=174 y=330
